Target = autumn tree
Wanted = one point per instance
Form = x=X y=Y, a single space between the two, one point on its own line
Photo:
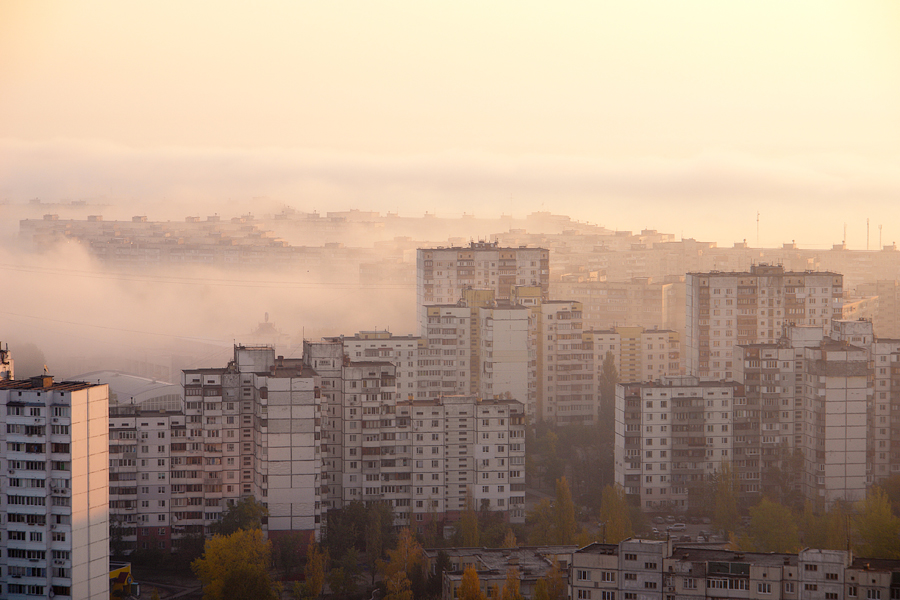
x=891 y=487
x=509 y=540
x=467 y=527
x=396 y=571
x=316 y=563
x=566 y=526
x=615 y=514
x=287 y=550
x=244 y=514
x=772 y=529
x=235 y=567
x=470 y=585
x=877 y=529
x=511 y=586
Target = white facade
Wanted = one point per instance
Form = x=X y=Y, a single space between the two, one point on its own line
x=728 y=309
x=506 y=365
x=54 y=539
x=442 y=274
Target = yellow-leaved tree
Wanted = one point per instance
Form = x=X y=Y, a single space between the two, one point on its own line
x=235 y=567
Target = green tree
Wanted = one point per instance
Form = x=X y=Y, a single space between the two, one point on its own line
x=772 y=529
x=566 y=526
x=342 y=579
x=877 y=529
x=541 y=590
x=541 y=522
x=556 y=583
x=726 y=510
x=244 y=514
x=467 y=528
x=615 y=514
x=470 y=585
x=379 y=534
x=235 y=567
x=287 y=550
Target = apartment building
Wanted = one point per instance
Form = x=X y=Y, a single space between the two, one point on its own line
x=251 y=428
x=421 y=455
x=640 y=354
x=671 y=435
x=566 y=380
x=638 y=302
x=443 y=273
x=54 y=539
x=7 y=365
x=724 y=310
x=505 y=360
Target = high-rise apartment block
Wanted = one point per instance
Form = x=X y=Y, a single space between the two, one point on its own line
x=640 y=354
x=798 y=409
x=724 y=310
x=638 y=302
x=422 y=456
x=443 y=273
x=54 y=537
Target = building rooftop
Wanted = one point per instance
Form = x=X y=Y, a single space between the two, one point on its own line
x=45 y=382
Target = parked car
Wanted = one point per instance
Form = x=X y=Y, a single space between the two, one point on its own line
x=684 y=538
x=676 y=527
x=670 y=519
x=655 y=532
x=695 y=520
x=659 y=520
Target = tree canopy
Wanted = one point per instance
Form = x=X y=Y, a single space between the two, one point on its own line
x=235 y=567
x=245 y=514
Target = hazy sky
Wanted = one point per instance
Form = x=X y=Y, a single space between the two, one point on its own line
x=623 y=113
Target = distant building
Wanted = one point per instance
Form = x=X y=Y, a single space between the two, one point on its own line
x=54 y=539
x=724 y=310
x=639 y=354
x=443 y=273
x=7 y=366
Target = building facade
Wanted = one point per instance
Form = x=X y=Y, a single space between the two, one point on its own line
x=54 y=537
x=724 y=310
x=443 y=273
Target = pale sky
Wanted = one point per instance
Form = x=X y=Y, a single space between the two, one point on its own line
x=584 y=108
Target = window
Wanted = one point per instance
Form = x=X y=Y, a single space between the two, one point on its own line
x=583 y=575
x=831 y=576
x=650 y=565
x=764 y=588
x=584 y=594
x=690 y=583
x=608 y=576
x=630 y=576
x=873 y=594
x=789 y=587
x=650 y=585
x=607 y=596
x=810 y=587
x=852 y=591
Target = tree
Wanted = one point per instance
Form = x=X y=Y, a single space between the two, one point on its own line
x=234 y=567
x=615 y=514
x=316 y=561
x=891 y=487
x=509 y=540
x=772 y=529
x=342 y=579
x=511 y=586
x=467 y=528
x=556 y=584
x=541 y=523
x=470 y=585
x=566 y=527
x=877 y=529
x=402 y=560
x=726 y=511
x=436 y=578
x=245 y=514
x=541 y=590
x=379 y=534
x=287 y=551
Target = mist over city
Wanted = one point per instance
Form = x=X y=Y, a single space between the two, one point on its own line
x=407 y=301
